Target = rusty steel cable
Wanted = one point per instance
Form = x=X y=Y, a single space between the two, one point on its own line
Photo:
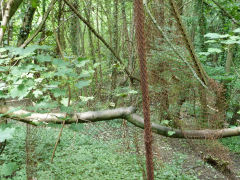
x=140 y=37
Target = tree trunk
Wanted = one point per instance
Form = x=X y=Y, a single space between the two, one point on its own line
x=5 y=19
x=115 y=47
x=75 y=34
x=14 y=8
x=26 y=24
x=201 y=23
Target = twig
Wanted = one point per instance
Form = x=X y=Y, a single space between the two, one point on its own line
x=60 y=133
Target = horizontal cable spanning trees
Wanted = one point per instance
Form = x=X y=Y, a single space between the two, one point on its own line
x=127 y=113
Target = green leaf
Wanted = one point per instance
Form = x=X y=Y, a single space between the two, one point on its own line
x=214 y=50
x=60 y=63
x=210 y=41
x=82 y=84
x=230 y=41
x=6 y=134
x=237 y=30
x=37 y=93
x=58 y=92
x=216 y=36
x=165 y=122
x=8 y=169
x=44 y=58
x=64 y=71
x=64 y=101
x=85 y=99
x=204 y=53
x=229 y=114
x=170 y=133
x=20 y=91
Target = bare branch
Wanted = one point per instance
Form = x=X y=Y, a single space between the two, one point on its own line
x=127 y=113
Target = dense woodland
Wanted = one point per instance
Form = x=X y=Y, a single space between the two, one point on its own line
x=119 y=89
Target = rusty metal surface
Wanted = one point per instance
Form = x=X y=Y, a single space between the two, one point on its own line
x=140 y=37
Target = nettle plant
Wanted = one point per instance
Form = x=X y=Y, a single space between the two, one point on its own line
x=48 y=81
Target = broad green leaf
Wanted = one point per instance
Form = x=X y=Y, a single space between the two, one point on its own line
x=214 y=50
x=85 y=99
x=64 y=71
x=230 y=41
x=44 y=58
x=85 y=73
x=237 y=30
x=20 y=91
x=204 y=53
x=82 y=84
x=2 y=50
x=37 y=93
x=64 y=101
x=60 y=63
x=165 y=122
x=229 y=114
x=3 y=86
x=57 y=92
x=210 y=41
x=6 y=134
x=170 y=133
x=216 y=36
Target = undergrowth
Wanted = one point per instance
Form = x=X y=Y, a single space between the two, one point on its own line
x=91 y=152
x=233 y=143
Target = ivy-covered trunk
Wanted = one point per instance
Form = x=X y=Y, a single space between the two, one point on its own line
x=75 y=34
x=26 y=24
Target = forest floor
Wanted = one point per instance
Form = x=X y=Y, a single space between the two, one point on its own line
x=104 y=150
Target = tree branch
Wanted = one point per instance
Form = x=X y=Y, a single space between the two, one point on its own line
x=127 y=113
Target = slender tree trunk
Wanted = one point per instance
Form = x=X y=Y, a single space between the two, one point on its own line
x=229 y=59
x=82 y=30
x=75 y=35
x=26 y=24
x=14 y=7
x=115 y=44
x=5 y=19
x=43 y=28
x=202 y=24
x=10 y=33
x=87 y=9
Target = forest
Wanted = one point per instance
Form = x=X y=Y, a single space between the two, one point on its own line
x=119 y=89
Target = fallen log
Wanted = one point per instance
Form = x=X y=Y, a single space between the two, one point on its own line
x=127 y=113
